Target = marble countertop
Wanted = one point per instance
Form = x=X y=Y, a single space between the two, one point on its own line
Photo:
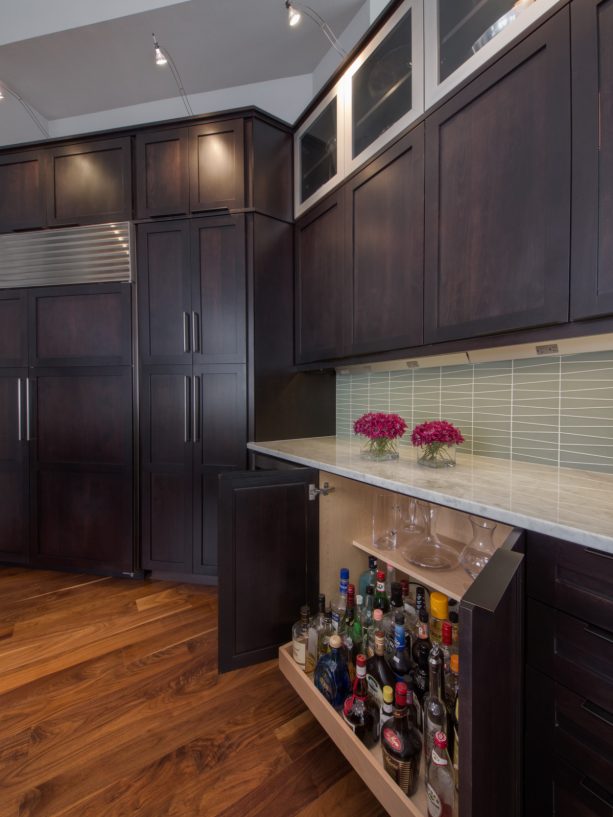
x=571 y=504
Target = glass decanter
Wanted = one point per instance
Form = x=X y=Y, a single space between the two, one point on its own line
x=428 y=550
x=479 y=550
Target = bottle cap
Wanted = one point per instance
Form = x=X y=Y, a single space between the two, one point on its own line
x=370 y=590
x=454 y=617
x=380 y=576
x=440 y=740
x=401 y=694
x=345 y=573
x=388 y=694
x=305 y=611
x=335 y=642
x=399 y=619
x=454 y=663
x=372 y=562
x=378 y=614
x=360 y=660
x=447 y=633
x=439 y=605
x=360 y=601
x=351 y=590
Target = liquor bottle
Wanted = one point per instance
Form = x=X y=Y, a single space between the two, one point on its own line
x=390 y=578
x=435 y=710
x=456 y=742
x=300 y=636
x=454 y=618
x=452 y=681
x=377 y=623
x=331 y=674
x=412 y=704
x=315 y=628
x=420 y=604
x=389 y=619
x=378 y=674
x=339 y=605
x=422 y=644
x=439 y=610
x=440 y=788
x=387 y=709
x=400 y=662
x=326 y=634
x=368 y=577
x=345 y=630
x=381 y=599
x=357 y=631
x=368 y=607
x=402 y=745
x=360 y=711
x=421 y=683
x=452 y=696
x=410 y=613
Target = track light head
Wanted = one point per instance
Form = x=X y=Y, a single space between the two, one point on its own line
x=293 y=15
x=160 y=57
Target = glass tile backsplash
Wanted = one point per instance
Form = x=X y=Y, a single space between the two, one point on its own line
x=556 y=410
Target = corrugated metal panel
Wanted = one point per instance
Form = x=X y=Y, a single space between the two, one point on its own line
x=74 y=255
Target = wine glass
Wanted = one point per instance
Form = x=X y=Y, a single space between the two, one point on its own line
x=385 y=520
x=412 y=512
x=428 y=551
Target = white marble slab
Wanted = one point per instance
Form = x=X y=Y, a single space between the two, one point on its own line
x=571 y=504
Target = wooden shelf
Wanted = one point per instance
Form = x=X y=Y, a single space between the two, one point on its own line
x=453 y=583
x=367 y=764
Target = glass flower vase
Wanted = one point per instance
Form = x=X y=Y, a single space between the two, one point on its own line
x=437 y=455
x=380 y=449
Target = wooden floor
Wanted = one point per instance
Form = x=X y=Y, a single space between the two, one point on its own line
x=111 y=706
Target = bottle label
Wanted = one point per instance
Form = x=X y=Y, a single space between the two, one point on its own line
x=380 y=587
x=392 y=739
x=335 y=620
x=399 y=637
x=299 y=652
x=435 y=808
x=422 y=630
x=375 y=691
x=437 y=759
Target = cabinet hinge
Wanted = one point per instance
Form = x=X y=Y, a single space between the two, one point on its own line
x=314 y=491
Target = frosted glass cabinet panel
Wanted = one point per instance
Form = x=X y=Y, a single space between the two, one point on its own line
x=384 y=85
x=318 y=152
x=460 y=35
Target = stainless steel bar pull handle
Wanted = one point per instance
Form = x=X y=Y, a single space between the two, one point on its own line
x=196 y=331
x=196 y=410
x=186 y=402
x=28 y=411
x=19 y=411
x=186 y=332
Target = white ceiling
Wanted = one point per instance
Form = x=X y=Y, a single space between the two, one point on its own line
x=108 y=64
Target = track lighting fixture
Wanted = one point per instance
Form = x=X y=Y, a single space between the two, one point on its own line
x=294 y=16
x=6 y=91
x=162 y=57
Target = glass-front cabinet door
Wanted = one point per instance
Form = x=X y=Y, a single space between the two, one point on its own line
x=460 y=35
x=383 y=88
x=318 y=146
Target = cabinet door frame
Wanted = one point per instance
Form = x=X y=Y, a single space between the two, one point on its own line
x=20 y=295
x=144 y=324
x=586 y=300
x=415 y=7
x=145 y=138
x=124 y=291
x=40 y=218
x=413 y=336
x=553 y=36
x=237 y=199
x=19 y=465
x=124 y=213
x=229 y=657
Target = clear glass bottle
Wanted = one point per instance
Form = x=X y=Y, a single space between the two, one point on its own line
x=420 y=604
x=387 y=708
x=389 y=619
x=390 y=579
x=332 y=676
x=454 y=618
x=315 y=628
x=439 y=611
x=326 y=634
x=377 y=624
x=480 y=549
x=402 y=746
x=378 y=673
x=447 y=645
x=346 y=630
x=381 y=599
x=368 y=577
x=435 y=710
x=300 y=636
x=400 y=662
x=422 y=643
x=339 y=605
x=410 y=611
x=360 y=711
x=440 y=788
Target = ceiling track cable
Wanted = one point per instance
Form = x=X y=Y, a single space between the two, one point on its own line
x=30 y=111
x=176 y=76
x=319 y=20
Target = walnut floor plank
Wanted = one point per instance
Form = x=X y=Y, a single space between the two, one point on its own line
x=112 y=706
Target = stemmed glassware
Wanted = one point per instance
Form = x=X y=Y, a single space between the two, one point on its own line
x=428 y=550
x=385 y=521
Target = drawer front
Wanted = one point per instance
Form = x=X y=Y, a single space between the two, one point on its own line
x=572 y=652
x=578 y=795
x=573 y=578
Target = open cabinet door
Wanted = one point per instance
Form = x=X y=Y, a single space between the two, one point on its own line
x=268 y=561
x=491 y=686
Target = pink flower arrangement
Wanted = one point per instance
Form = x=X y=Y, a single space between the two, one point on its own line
x=436 y=431
x=378 y=425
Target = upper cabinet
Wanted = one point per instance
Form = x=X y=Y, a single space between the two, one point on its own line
x=592 y=233
x=498 y=195
x=378 y=96
x=22 y=198
x=217 y=166
x=461 y=35
x=89 y=183
x=162 y=173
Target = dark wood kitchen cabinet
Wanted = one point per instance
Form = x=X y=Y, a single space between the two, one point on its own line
x=592 y=229
x=13 y=466
x=498 y=194
x=13 y=327
x=22 y=192
x=162 y=173
x=90 y=182
x=217 y=166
